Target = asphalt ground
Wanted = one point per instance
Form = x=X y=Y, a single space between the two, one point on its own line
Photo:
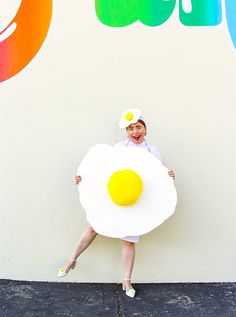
x=44 y=299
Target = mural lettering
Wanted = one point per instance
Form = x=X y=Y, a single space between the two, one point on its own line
x=21 y=39
x=120 y=13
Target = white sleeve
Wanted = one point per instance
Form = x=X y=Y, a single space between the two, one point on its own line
x=155 y=152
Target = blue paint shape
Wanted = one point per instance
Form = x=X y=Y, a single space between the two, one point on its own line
x=230 y=6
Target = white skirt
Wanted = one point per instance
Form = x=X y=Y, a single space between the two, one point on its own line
x=134 y=239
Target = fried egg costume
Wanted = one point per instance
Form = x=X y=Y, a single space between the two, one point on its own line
x=125 y=190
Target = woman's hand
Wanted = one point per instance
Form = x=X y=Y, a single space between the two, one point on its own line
x=78 y=179
x=171 y=174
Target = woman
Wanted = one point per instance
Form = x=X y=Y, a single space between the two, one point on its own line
x=136 y=132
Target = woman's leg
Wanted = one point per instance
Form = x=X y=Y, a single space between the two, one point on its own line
x=85 y=240
x=128 y=254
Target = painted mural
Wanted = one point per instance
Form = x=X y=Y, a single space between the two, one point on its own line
x=22 y=38
x=120 y=13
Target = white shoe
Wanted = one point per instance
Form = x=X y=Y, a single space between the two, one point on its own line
x=62 y=272
x=129 y=292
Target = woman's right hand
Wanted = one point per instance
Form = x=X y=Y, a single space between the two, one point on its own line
x=78 y=179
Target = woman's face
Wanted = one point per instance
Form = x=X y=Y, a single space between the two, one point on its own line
x=136 y=132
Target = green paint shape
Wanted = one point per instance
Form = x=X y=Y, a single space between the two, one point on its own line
x=118 y=13
x=155 y=12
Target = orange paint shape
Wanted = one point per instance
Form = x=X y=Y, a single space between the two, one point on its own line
x=32 y=23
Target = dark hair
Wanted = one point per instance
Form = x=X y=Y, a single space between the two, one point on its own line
x=141 y=121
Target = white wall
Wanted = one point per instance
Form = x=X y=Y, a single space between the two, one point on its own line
x=70 y=97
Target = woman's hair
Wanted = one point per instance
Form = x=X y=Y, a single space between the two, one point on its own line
x=142 y=122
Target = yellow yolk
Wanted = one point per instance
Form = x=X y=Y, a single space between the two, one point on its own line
x=125 y=187
x=129 y=116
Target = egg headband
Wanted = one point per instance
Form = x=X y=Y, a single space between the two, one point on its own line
x=129 y=117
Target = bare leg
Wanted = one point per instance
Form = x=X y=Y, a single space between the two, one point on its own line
x=85 y=240
x=128 y=254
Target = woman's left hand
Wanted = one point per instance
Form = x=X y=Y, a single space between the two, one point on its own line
x=171 y=174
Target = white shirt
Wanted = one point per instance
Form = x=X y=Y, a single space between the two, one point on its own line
x=144 y=145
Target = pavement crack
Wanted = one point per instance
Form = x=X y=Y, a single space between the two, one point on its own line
x=120 y=308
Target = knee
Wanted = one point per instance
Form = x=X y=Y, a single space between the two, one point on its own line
x=128 y=244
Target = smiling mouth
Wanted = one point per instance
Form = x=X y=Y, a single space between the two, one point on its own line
x=136 y=138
